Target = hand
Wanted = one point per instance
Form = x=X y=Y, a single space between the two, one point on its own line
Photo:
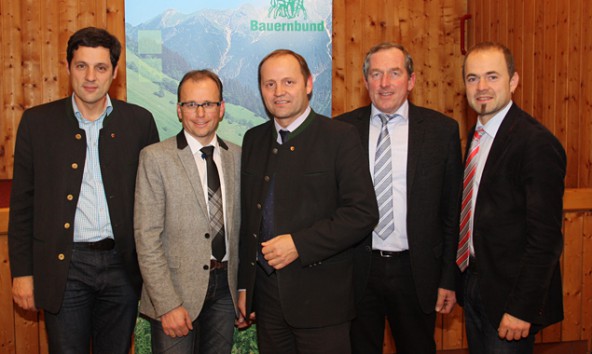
x=22 y=292
x=279 y=251
x=446 y=301
x=513 y=328
x=242 y=321
x=176 y=322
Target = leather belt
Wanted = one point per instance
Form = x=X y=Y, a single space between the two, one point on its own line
x=390 y=254
x=214 y=264
x=105 y=244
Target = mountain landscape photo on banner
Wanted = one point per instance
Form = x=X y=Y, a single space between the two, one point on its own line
x=231 y=42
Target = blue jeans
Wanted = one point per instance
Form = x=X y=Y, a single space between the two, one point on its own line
x=212 y=330
x=99 y=307
x=482 y=335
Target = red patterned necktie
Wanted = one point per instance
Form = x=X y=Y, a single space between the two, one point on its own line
x=462 y=254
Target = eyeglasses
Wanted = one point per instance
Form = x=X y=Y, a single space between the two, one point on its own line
x=190 y=107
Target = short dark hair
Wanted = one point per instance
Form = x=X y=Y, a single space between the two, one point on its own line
x=492 y=45
x=279 y=52
x=198 y=75
x=94 y=37
x=385 y=46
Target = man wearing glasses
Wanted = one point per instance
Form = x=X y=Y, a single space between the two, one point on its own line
x=186 y=226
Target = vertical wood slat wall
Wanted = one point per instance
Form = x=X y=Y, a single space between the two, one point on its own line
x=33 y=39
x=550 y=40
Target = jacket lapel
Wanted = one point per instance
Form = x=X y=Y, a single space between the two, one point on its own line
x=416 y=133
x=363 y=124
x=501 y=144
x=188 y=162
x=229 y=183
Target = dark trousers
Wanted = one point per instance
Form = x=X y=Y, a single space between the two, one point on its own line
x=100 y=306
x=212 y=329
x=482 y=335
x=391 y=292
x=275 y=335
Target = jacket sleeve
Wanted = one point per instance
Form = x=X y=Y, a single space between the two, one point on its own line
x=20 y=229
x=542 y=176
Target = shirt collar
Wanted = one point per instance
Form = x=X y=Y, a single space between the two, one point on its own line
x=295 y=124
x=81 y=119
x=196 y=146
x=403 y=111
x=493 y=125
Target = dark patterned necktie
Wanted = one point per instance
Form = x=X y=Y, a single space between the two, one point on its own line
x=215 y=204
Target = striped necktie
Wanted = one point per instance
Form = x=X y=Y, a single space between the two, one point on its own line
x=383 y=180
x=463 y=252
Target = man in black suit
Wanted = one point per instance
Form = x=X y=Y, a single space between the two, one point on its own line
x=71 y=236
x=405 y=268
x=307 y=198
x=512 y=212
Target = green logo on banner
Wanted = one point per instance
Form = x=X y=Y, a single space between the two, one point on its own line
x=287 y=9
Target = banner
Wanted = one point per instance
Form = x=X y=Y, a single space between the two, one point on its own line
x=167 y=39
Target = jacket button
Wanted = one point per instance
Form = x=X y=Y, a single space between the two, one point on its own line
x=206 y=267
x=266 y=178
x=207 y=235
x=78 y=136
x=274 y=151
x=255 y=235
x=74 y=166
x=258 y=206
x=70 y=197
x=67 y=225
x=61 y=256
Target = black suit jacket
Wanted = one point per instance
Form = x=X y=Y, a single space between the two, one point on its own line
x=49 y=163
x=324 y=198
x=517 y=222
x=434 y=178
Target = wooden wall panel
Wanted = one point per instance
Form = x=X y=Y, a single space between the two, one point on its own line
x=551 y=41
x=11 y=56
x=586 y=304
x=585 y=124
x=33 y=40
x=50 y=65
x=7 y=335
x=552 y=44
x=429 y=30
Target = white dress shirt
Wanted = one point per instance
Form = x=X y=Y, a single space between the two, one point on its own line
x=398 y=128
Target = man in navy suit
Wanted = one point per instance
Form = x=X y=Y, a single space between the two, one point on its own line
x=405 y=268
x=511 y=222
